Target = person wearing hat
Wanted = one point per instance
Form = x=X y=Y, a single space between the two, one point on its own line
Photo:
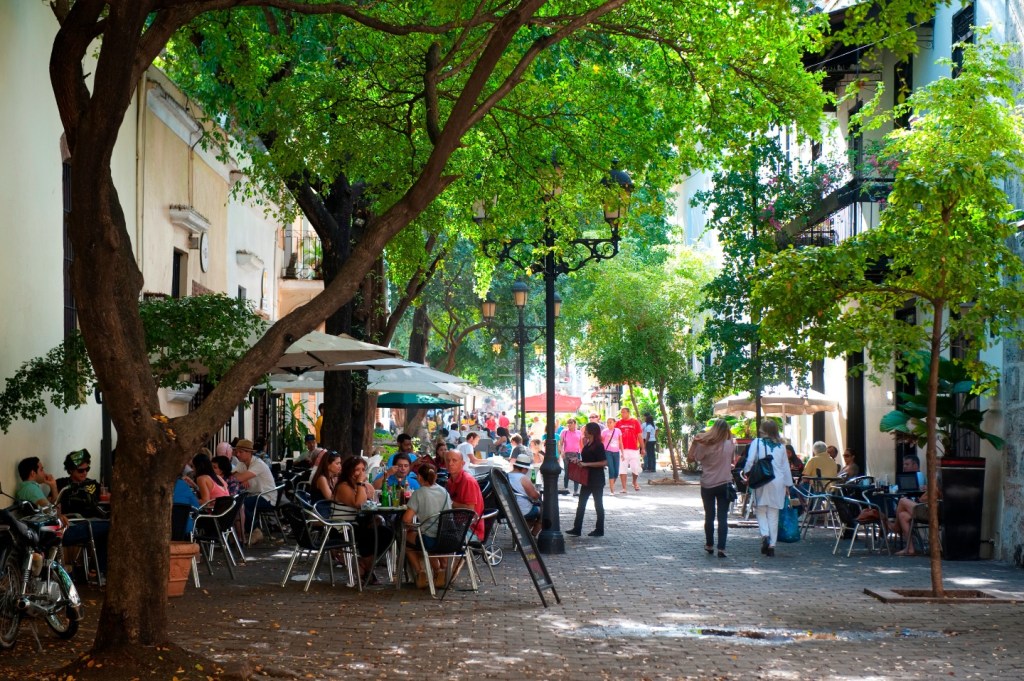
x=527 y=495
x=255 y=475
x=79 y=495
x=313 y=453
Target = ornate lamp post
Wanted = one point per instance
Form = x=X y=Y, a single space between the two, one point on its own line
x=524 y=334
x=576 y=254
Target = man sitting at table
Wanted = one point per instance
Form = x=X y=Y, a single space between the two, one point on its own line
x=464 y=490
x=404 y=447
x=468 y=450
x=313 y=453
x=254 y=474
x=820 y=464
x=400 y=473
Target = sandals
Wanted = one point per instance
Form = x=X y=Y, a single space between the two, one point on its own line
x=636 y=488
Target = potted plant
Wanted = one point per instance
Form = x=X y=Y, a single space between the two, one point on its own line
x=294 y=428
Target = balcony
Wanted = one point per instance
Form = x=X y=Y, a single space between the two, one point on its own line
x=842 y=214
x=303 y=255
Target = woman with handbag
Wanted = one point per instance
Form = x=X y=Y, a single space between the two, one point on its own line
x=593 y=460
x=713 y=449
x=767 y=470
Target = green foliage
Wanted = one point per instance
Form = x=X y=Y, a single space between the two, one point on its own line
x=297 y=424
x=955 y=410
x=942 y=241
x=183 y=336
x=63 y=378
x=756 y=191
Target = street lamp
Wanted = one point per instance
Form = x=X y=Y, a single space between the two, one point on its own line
x=578 y=253
x=524 y=334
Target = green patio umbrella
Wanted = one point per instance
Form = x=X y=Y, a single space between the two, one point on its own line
x=403 y=400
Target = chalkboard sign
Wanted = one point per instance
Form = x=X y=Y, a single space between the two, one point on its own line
x=524 y=540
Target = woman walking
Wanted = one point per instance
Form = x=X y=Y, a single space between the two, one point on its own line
x=771 y=497
x=713 y=450
x=591 y=457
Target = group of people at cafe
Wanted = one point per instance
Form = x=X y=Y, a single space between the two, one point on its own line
x=715 y=451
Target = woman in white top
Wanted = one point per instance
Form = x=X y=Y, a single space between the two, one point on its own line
x=713 y=449
x=771 y=497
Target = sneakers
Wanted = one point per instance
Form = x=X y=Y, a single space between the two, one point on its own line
x=596 y=533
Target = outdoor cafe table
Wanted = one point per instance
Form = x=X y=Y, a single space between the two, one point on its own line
x=392 y=515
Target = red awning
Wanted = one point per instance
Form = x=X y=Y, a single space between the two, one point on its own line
x=564 y=404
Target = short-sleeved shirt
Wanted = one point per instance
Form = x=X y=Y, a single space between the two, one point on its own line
x=29 y=490
x=649 y=431
x=572 y=440
x=464 y=489
x=503 y=421
x=264 y=480
x=465 y=449
x=428 y=502
x=630 y=429
x=414 y=482
x=610 y=439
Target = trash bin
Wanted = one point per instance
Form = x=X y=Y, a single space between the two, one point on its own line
x=963 y=493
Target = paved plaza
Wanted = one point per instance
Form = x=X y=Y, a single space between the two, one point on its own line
x=643 y=602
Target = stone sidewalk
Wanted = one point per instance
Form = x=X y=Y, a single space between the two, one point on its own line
x=643 y=602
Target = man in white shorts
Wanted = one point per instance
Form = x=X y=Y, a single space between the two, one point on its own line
x=631 y=430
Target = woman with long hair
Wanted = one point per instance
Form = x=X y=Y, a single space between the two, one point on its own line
x=325 y=477
x=771 y=497
x=713 y=450
x=209 y=482
x=351 y=492
x=593 y=459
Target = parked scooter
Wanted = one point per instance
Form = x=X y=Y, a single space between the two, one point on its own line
x=33 y=584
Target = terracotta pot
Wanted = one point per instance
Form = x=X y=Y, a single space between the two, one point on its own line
x=182 y=553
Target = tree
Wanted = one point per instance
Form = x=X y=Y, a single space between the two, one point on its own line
x=664 y=87
x=640 y=323
x=940 y=243
x=756 y=191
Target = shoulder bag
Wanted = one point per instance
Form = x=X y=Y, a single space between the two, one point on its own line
x=762 y=472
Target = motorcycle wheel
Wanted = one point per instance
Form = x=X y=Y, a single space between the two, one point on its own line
x=63 y=619
x=10 y=592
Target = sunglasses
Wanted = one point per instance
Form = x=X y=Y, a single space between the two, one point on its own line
x=82 y=469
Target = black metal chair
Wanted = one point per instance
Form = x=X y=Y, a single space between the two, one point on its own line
x=180 y=515
x=212 y=530
x=454 y=532
x=314 y=535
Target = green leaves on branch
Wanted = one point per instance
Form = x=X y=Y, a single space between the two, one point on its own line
x=63 y=377
x=197 y=334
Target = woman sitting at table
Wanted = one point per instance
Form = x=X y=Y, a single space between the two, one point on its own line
x=850 y=468
x=222 y=465
x=351 y=492
x=325 y=477
x=796 y=466
x=209 y=483
x=425 y=503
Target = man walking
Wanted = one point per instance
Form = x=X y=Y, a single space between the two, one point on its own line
x=630 y=453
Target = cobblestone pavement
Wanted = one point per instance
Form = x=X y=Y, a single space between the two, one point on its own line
x=643 y=602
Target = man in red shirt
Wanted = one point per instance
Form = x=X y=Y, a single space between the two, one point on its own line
x=490 y=424
x=630 y=453
x=503 y=421
x=464 y=490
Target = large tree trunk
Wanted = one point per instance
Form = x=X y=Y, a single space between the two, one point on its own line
x=418 y=342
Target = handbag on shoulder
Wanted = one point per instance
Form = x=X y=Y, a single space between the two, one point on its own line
x=762 y=472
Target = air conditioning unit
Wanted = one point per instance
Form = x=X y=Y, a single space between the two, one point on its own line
x=185 y=395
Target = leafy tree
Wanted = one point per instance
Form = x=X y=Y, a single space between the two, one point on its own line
x=639 y=331
x=499 y=85
x=756 y=191
x=941 y=243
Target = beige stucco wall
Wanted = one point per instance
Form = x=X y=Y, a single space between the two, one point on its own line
x=31 y=261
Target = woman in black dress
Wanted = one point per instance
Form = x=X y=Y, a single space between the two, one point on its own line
x=592 y=457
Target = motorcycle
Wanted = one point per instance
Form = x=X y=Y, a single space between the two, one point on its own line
x=33 y=584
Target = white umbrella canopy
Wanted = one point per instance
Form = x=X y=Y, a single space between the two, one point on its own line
x=417 y=372
x=777 y=400
x=313 y=382
x=318 y=351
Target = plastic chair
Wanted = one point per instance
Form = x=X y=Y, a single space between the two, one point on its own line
x=454 y=531
x=314 y=535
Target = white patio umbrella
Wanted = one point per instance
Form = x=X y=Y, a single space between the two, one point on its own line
x=317 y=351
x=777 y=400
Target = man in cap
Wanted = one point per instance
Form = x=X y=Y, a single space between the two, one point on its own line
x=255 y=475
x=79 y=497
x=527 y=496
x=313 y=453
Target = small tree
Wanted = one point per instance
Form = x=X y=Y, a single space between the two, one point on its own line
x=941 y=243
